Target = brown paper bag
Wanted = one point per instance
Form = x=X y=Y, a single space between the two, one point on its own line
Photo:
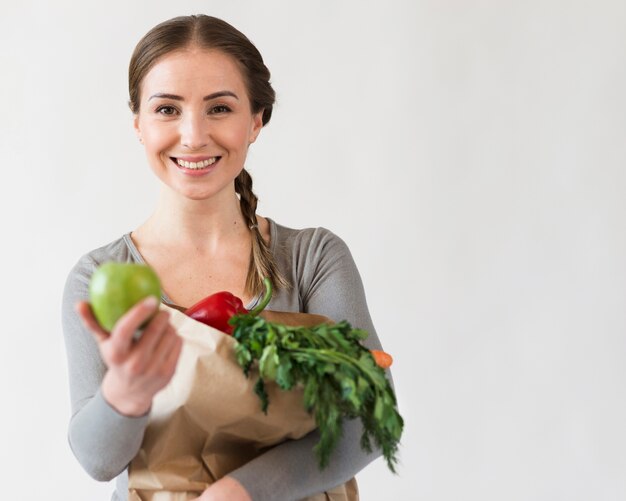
x=208 y=421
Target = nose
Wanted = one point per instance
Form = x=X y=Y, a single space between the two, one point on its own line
x=194 y=131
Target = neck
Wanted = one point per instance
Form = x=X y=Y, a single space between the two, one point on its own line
x=204 y=225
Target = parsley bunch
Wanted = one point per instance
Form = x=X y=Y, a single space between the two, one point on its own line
x=339 y=376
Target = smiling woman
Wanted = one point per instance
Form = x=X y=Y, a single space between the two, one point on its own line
x=196 y=142
x=200 y=95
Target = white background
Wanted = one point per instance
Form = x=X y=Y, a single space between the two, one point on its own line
x=471 y=153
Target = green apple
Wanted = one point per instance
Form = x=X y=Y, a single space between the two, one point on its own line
x=114 y=288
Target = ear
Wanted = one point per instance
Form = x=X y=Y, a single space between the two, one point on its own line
x=136 y=127
x=257 y=125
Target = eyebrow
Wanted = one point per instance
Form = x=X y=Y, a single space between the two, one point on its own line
x=220 y=93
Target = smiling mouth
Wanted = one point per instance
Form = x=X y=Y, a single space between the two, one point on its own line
x=202 y=164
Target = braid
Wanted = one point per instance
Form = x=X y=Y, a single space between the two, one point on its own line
x=262 y=262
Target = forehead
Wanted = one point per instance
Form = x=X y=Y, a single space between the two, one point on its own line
x=192 y=71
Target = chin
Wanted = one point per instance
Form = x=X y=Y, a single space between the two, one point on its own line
x=196 y=194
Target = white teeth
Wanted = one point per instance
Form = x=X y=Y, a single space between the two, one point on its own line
x=196 y=165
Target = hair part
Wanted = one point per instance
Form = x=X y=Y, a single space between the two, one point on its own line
x=211 y=33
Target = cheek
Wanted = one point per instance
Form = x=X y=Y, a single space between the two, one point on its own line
x=157 y=137
x=236 y=136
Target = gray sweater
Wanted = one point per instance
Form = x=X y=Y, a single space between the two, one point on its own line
x=325 y=281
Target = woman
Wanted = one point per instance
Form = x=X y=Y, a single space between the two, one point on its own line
x=200 y=95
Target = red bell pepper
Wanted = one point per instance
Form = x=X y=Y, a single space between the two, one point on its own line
x=217 y=309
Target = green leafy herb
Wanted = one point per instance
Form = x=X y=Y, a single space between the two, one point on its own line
x=339 y=376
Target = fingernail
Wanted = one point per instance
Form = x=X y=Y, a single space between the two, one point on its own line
x=151 y=302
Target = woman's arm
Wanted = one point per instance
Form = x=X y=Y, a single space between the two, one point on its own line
x=329 y=285
x=112 y=377
x=103 y=440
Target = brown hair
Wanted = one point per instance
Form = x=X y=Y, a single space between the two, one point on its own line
x=212 y=33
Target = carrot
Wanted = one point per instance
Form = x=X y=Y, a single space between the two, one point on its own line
x=382 y=359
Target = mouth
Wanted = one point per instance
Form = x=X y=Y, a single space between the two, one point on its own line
x=198 y=166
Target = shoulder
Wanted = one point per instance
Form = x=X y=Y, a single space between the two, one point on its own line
x=314 y=242
x=313 y=258
x=117 y=250
x=324 y=274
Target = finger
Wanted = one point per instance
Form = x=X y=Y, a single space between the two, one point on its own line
x=163 y=363
x=143 y=353
x=166 y=344
x=171 y=342
x=153 y=331
x=125 y=328
x=83 y=308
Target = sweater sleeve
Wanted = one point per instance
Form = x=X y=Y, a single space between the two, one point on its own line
x=329 y=284
x=103 y=440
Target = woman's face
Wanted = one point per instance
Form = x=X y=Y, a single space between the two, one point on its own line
x=195 y=121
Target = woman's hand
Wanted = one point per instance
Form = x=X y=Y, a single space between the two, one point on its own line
x=137 y=370
x=225 y=489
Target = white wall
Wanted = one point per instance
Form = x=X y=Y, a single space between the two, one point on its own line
x=470 y=152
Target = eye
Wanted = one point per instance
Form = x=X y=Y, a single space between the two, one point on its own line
x=166 y=110
x=218 y=109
